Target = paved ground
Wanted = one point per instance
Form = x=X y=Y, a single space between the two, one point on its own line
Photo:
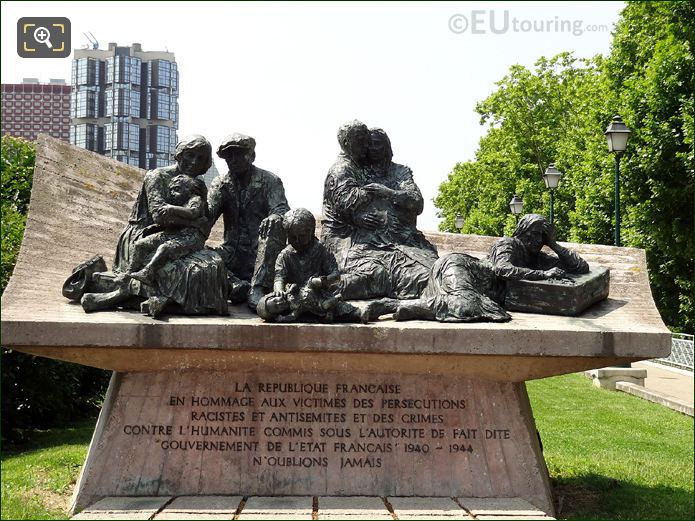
x=666 y=380
x=307 y=507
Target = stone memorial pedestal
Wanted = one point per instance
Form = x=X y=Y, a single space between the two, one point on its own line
x=273 y=428
x=236 y=407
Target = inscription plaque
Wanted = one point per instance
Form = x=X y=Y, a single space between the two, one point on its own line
x=274 y=433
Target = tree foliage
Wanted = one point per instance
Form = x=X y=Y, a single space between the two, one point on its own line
x=557 y=112
x=651 y=66
x=16 y=171
x=36 y=392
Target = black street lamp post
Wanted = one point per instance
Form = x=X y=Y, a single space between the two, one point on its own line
x=552 y=179
x=516 y=205
x=617 y=135
x=459 y=221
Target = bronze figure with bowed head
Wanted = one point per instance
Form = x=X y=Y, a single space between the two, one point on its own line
x=251 y=202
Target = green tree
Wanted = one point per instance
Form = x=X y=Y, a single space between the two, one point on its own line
x=651 y=67
x=16 y=172
x=557 y=112
x=536 y=117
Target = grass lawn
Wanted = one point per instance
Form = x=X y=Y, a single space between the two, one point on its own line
x=37 y=482
x=610 y=456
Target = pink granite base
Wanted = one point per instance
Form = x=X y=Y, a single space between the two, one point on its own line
x=313 y=433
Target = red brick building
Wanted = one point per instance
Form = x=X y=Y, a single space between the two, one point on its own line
x=30 y=108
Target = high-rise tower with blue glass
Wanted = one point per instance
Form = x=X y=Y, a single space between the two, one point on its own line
x=125 y=104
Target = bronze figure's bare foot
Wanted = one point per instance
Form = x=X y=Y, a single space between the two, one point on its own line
x=329 y=303
x=144 y=275
x=402 y=314
x=96 y=301
x=376 y=308
x=154 y=306
x=407 y=313
x=121 y=278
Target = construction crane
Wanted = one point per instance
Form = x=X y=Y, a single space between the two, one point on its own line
x=92 y=40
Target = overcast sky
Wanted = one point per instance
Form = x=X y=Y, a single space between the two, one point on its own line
x=290 y=74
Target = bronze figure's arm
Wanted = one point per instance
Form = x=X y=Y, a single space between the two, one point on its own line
x=568 y=260
x=409 y=196
x=280 y=275
x=277 y=202
x=502 y=257
x=215 y=201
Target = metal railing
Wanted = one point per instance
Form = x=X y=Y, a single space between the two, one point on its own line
x=681 y=352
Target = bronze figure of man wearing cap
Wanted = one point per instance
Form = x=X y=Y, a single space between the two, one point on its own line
x=251 y=202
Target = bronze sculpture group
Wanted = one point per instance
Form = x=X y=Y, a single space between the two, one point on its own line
x=370 y=248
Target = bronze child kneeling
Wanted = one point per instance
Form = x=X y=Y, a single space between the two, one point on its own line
x=306 y=278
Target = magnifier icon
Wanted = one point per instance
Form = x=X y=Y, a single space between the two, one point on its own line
x=43 y=35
